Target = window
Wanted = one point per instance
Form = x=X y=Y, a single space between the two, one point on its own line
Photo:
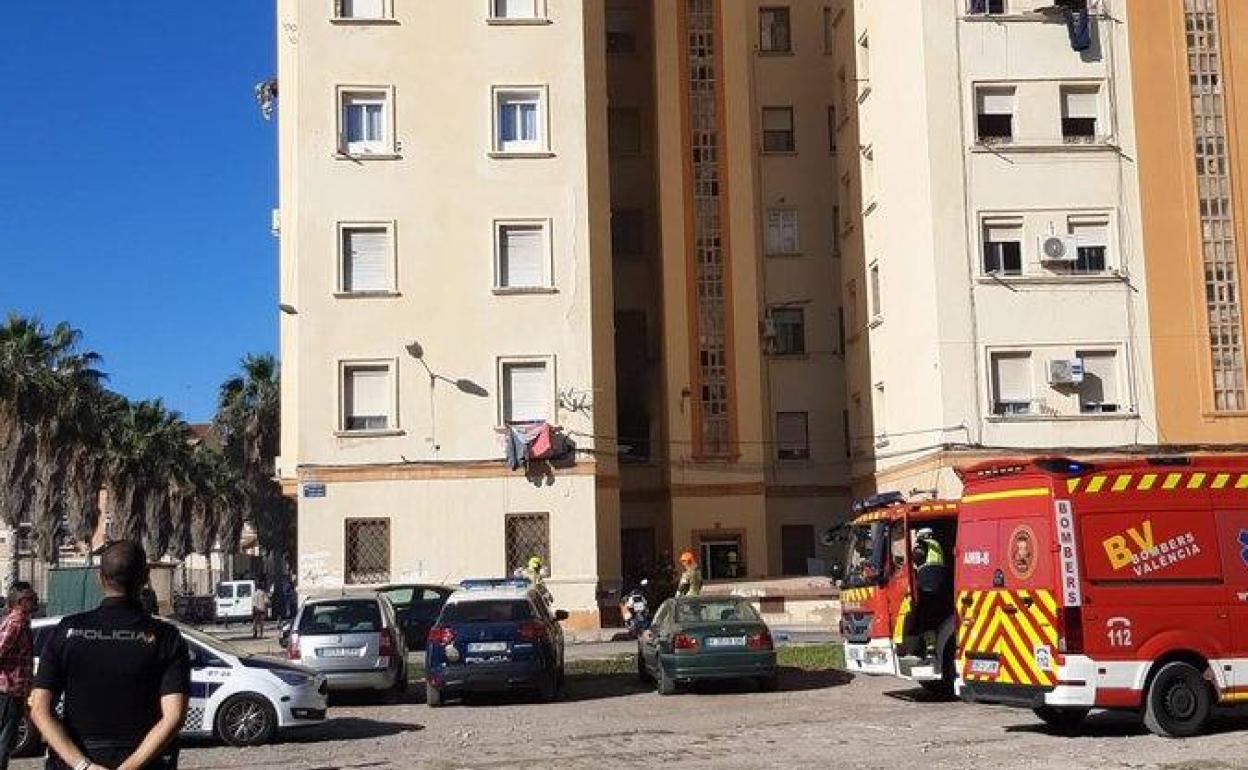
x=628 y=232
x=778 y=133
x=994 y=114
x=1080 y=113
x=832 y=128
x=1091 y=236
x=851 y=306
x=624 y=131
x=367 y=397
x=527 y=535
x=1011 y=383
x=367 y=551
x=863 y=54
x=1098 y=394
x=782 y=232
x=1003 y=248
x=842 y=93
x=797 y=548
x=365 y=119
x=877 y=300
x=621 y=29
x=520 y=120
x=792 y=436
x=526 y=392
x=773 y=30
x=846 y=435
x=360 y=9
x=858 y=423
x=514 y=9
x=523 y=255
x=367 y=255
x=878 y=416
x=836 y=231
x=986 y=6
x=789 y=324
x=868 y=179
x=840 y=330
x=829 y=30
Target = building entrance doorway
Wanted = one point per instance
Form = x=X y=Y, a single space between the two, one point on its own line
x=721 y=557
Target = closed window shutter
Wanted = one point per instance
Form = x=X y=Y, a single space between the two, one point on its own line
x=520 y=255
x=791 y=435
x=367 y=397
x=777 y=119
x=1081 y=104
x=1012 y=376
x=526 y=392
x=365 y=260
x=998 y=102
x=1003 y=233
x=1092 y=233
x=362 y=9
x=782 y=232
x=1100 y=377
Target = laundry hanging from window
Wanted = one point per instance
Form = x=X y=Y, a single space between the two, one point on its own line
x=1078 y=23
x=526 y=442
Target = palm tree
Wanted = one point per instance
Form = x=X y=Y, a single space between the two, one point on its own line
x=248 y=418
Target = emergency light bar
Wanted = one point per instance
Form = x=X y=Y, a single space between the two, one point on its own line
x=486 y=584
x=875 y=502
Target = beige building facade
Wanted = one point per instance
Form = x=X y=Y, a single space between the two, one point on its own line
x=612 y=218
x=994 y=280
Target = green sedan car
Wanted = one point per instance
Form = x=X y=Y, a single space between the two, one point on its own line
x=700 y=638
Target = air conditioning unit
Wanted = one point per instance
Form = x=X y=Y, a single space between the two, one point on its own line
x=1058 y=248
x=1066 y=371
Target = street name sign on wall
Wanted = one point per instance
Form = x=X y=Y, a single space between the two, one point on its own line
x=313 y=490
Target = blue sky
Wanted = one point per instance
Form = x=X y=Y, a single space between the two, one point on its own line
x=136 y=183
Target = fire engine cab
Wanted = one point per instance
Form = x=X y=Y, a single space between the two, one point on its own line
x=1117 y=585
x=897 y=613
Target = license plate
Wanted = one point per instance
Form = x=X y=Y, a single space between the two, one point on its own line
x=339 y=652
x=855 y=654
x=985 y=666
x=725 y=641
x=479 y=647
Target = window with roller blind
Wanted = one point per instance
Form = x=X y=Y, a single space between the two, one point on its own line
x=367 y=396
x=517 y=10
x=994 y=114
x=1011 y=383
x=362 y=9
x=792 y=436
x=520 y=120
x=1091 y=234
x=1098 y=393
x=1003 y=246
x=526 y=389
x=364 y=122
x=782 y=234
x=522 y=255
x=1081 y=109
x=367 y=255
x=778 y=133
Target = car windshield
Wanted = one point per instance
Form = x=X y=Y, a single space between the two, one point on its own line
x=488 y=611
x=340 y=617
x=225 y=591
x=212 y=642
x=713 y=610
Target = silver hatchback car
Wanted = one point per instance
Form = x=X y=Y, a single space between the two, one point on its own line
x=353 y=639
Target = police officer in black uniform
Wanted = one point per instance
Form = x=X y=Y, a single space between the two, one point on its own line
x=125 y=677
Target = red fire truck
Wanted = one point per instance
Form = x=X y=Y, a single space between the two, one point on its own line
x=897 y=617
x=1118 y=585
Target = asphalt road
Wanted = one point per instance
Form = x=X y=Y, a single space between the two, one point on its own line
x=817 y=720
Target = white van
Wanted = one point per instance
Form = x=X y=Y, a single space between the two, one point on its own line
x=234 y=600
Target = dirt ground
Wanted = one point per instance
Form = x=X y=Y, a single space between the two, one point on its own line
x=818 y=720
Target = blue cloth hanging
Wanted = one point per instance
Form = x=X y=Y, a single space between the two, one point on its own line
x=1079 y=25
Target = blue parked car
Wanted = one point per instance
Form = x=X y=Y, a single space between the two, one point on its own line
x=495 y=636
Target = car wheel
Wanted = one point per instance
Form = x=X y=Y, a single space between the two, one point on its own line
x=643 y=671
x=769 y=683
x=1061 y=720
x=434 y=696
x=27 y=742
x=667 y=685
x=246 y=720
x=1178 y=701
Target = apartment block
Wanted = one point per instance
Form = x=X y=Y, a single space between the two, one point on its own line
x=994 y=282
x=612 y=218
x=1190 y=69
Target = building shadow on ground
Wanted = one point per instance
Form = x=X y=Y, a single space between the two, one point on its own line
x=919 y=695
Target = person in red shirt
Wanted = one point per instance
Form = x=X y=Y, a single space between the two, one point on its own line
x=17 y=662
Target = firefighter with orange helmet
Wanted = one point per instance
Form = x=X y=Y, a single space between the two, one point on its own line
x=690 y=577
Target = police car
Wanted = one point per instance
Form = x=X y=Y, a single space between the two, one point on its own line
x=240 y=698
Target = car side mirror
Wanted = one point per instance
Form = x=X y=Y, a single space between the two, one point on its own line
x=561 y=615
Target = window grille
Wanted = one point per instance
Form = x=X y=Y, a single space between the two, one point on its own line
x=368 y=551
x=528 y=535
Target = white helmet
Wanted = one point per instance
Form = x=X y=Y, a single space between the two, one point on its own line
x=925 y=532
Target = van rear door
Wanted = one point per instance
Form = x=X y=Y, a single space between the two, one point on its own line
x=1009 y=589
